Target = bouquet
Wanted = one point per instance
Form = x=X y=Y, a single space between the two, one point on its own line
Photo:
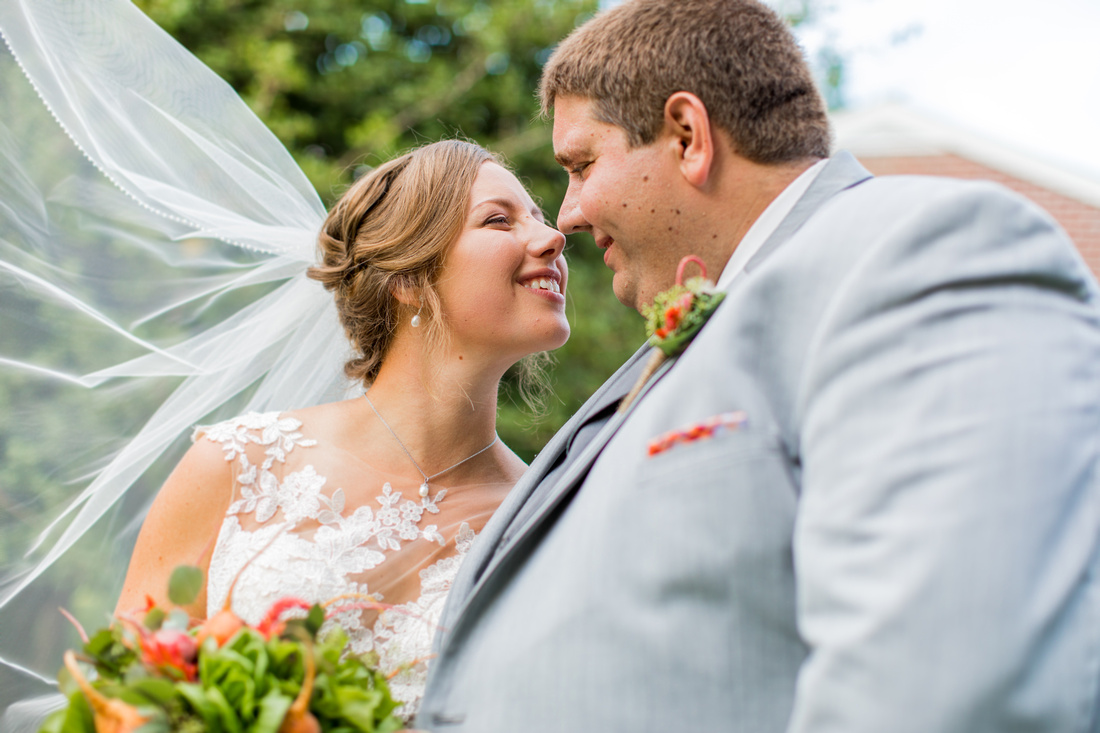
x=161 y=671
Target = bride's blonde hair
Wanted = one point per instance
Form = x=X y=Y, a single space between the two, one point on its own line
x=389 y=233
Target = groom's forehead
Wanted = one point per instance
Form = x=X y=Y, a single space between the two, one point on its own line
x=577 y=129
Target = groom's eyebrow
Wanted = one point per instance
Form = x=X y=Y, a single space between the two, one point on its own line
x=566 y=157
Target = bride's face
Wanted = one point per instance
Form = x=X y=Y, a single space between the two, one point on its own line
x=503 y=281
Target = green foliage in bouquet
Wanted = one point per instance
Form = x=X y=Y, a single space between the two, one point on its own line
x=166 y=673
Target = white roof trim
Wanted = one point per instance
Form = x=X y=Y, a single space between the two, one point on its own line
x=894 y=129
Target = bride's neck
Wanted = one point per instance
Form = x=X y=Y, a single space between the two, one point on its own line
x=439 y=407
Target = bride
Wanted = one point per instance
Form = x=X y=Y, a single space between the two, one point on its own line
x=439 y=269
x=444 y=275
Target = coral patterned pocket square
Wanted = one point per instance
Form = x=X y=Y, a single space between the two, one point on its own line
x=708 y=428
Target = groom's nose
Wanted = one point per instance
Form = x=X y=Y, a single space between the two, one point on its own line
x=570 y=218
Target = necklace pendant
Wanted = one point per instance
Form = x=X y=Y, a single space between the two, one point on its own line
x=424 y=490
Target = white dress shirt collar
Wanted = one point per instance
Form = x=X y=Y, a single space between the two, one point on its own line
x=766 y=224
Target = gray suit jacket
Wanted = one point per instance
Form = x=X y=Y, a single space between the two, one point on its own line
x=902 y=537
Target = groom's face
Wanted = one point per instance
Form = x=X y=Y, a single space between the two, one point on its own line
x=624 y=197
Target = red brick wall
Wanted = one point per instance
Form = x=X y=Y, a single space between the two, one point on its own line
x=1081 y=221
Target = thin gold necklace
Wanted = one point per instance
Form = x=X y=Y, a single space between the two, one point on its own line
x=424 y=486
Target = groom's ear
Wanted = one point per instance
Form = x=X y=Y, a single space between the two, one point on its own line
x=688 y=125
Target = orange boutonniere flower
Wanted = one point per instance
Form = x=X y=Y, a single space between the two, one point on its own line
x=675 y=318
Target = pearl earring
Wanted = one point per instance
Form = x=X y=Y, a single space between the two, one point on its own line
x=416 y=319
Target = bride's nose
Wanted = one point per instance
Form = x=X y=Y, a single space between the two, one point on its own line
x=547 y=242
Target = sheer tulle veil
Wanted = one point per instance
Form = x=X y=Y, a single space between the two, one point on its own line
x=145 y=208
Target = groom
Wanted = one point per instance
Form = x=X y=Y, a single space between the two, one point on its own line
x=896 y=525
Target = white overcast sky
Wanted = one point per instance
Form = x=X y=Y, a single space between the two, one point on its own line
x=1022 y=72
x=1025 y=73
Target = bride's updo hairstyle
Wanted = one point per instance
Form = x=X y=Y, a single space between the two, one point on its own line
x=389 y=233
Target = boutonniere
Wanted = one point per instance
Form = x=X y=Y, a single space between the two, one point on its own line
x=675 y=318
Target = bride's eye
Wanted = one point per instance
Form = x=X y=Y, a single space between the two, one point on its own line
x=498 y=219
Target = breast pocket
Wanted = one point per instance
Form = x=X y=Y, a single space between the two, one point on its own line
x=714 y=516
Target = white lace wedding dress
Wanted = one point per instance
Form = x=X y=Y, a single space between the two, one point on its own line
x=307 y=525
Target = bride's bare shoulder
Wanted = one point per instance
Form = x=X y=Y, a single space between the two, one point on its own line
x=180 y=526
x=328 y=420
x=323 y=413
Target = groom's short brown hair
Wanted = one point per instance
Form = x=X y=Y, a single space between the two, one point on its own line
x=738 y=56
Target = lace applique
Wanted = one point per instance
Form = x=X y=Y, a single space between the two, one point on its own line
x=280 y=435
x=324 y=564
x=403 y=634
x=299 y=495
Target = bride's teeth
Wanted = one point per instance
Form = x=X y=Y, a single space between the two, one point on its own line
x=543 y=284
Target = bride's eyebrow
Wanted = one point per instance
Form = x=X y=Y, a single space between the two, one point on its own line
x=501 y=201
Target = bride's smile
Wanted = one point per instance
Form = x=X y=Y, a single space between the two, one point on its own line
x=545 y=281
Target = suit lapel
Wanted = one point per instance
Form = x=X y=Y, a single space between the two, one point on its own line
x=609 y=394
x=579 y=468
x=489 y=541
